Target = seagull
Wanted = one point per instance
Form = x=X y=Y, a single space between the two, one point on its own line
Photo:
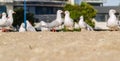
x=57 y=22
x=59 y=27
x=10 y=18
x=112 y=22
x=29 y=27
x=9 y=21
x=3 y=21
x=41 y=26
x=84 y=25
x=68 y=22
x=42 y=23
x=76 y=25
x=22 y=28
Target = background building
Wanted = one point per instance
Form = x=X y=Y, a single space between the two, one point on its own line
x=95 y=2
x=42 y=9
x=5 y=5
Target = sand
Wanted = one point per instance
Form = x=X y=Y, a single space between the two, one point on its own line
x=60 y=46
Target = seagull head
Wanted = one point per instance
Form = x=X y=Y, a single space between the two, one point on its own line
x=112 y=11
x=3 y=14
x=81 y=17
x=59 y=11
x=11 y=11
x=67 y=12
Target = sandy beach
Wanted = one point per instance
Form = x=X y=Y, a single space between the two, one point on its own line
x=60 y=46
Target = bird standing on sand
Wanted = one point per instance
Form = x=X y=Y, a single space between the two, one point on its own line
x=68 y=22
x=76 y=25
x=10 y=18
x=3 y=21
x=83 y=25
x=112 y=22
x=8 y=23
x=55 y=23
x=29 y=27
x=42 y=23
x=22 y=28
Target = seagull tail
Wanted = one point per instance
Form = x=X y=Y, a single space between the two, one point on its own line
x=89 y=28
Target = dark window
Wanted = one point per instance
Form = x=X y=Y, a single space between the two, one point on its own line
x=46 y=10
x=100 y=17
x=2 y=9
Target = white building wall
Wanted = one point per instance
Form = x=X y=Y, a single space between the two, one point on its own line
x=72 y=2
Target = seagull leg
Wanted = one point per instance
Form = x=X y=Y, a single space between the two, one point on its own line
x=4 y=30
x=53 y=30
x=111 y=29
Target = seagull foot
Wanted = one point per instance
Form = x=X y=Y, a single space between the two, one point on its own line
x=53 y=30
x=5 y=30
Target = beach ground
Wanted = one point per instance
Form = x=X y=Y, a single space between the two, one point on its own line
x=60 y=46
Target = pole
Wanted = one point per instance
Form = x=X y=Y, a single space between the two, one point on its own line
x=25 y=14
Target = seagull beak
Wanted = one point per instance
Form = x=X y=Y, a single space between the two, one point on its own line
x=14 y=12
x=116 y=13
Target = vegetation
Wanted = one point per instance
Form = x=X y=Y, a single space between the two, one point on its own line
x=84 y=9
x=19 y=17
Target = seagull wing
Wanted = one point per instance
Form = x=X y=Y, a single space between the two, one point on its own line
x=89 y=28
x=30 y=27
x=53 y=24
x=22 y=29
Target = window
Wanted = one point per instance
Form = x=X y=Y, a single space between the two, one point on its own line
x=77 y=1
x=40 y=10
x=30 y=9
x=100 y=17
x=2 y=9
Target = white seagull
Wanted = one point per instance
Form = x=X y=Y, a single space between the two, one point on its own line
x=76 y=25
x=29 y=27
x=9 y=21
x=3 y=20
x=68 y=22
x=57 y=22
x=22 y=28
x=10 y=18
x=42 y=23
x=112 y=22
x=84 y=25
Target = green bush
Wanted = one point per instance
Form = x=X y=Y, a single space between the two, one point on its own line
x=19 y=17
x=84 y=9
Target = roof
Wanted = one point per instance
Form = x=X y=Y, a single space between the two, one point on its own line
x=105 y=9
